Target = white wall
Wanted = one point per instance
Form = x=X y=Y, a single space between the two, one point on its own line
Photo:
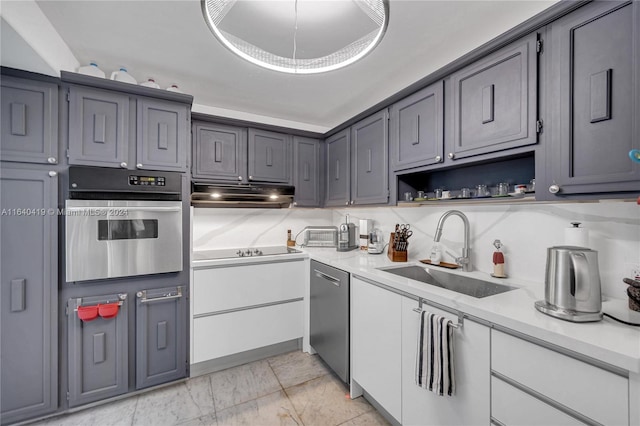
x=216 y=228
x=526 y=230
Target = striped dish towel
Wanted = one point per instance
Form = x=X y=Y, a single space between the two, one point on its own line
x=434 y=366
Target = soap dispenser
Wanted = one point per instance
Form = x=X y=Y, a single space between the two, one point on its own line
x=498 y=261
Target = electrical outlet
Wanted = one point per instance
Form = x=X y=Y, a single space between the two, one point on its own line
x=634 y=270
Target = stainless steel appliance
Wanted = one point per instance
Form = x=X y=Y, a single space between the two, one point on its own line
x=347 y=238
x=121 y=223
x=329 y=317
x=257 y=196
x=320 y=236
x=572 y=285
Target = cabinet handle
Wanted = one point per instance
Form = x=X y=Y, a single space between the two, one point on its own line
x=352 y=201
x=554 y=189
x=337 y=169
x=123 y=165
x=295 y=203
x=369 y=160
x=53 y=174
x=52 y=160
x=329 y=278
x=451 y=155
x=417 y=131
x=142 y=295
x=346 y=204
x=250 y=177
x=438 y=158
x=239 y=177
x=139 y=165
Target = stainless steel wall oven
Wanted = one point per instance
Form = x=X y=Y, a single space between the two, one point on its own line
x=121 y=223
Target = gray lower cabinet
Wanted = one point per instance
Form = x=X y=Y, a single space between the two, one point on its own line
x=370 y=160
x=306 y=171
x=98 y=349
x=29 y=111
x=163 y=135
x=269 y=156
x=29 y=331
x=417 y=135
x=494 y=102
x=219 y=152
x=161 y=316
x=594 y=95
x=338 y=175
x=101 y=132
x=98 y=127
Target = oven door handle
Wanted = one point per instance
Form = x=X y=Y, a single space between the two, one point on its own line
x=127 y=208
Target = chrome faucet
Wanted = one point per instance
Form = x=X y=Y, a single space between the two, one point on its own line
x=464 y=260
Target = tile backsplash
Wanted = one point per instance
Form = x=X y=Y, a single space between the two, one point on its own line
x=526 y=230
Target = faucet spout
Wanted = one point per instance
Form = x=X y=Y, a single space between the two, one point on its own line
x=465 y=259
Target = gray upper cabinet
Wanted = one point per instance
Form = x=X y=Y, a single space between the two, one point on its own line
x=370 y=160
x=494 y=102
x=306 y=171
x=115 y=129
x=338 y=179
x=269 y=156
x=29 y=112
x=594 y=96
x=29 y=335
x=219 y=152
x=417 y=137
x=98 y=127
x=163 y=134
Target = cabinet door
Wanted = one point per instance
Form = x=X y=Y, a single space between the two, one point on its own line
x=376 y=325
x=29 y=338
x=471 y=403
x=269 y=156
x=29 y=112
x=161 y=330
x=219 y=152
x=306 y=171
x=163 y=135
x=98 y=352
x=370 y=160
x=338 y=169
x=417 y=137
x=495 y=102
x=596 y=88
x=98 y=128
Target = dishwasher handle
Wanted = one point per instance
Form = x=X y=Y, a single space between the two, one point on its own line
x=332 y=280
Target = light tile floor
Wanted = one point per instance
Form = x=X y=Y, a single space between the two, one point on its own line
x=290 y=389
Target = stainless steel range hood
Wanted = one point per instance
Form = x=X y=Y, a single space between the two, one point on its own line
x=257 y=196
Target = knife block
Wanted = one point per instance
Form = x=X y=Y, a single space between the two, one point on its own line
x=394 y=255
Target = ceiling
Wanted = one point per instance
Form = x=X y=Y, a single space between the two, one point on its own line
x=171 y=42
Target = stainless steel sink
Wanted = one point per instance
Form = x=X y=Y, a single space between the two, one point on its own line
x=458 y=283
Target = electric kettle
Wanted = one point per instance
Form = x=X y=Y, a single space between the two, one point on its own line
x=572 y=285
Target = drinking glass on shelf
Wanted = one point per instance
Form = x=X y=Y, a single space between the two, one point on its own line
x=438 y=192
x=503 y=188
x=408 y=196
x=482 y=191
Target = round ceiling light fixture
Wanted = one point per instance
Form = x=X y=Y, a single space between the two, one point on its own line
x=298 y=36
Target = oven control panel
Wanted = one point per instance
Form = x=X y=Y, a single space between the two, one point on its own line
x=146 y=180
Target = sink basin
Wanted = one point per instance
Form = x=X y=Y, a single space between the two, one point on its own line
x=458 y=283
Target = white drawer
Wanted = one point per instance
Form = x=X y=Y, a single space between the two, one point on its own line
x=596 y=393
x=226 y=334
x=510 y=406
x=219 y=289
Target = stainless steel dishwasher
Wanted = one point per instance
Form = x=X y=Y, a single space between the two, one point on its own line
x=329 y=317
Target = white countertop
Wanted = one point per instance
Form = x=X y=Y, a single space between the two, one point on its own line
x=607 y=340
